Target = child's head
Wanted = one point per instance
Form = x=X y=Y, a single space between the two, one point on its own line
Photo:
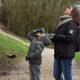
x=39 y=34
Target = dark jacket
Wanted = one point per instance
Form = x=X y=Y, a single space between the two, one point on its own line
x=77 y=41
x=36 y=48
x=64 y=38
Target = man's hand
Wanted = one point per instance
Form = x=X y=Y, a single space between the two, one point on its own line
x=27 y=58
x=51 y=35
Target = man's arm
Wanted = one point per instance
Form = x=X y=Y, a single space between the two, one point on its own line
x=69 y=37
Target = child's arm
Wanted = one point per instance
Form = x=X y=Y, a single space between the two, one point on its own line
x=31 y=35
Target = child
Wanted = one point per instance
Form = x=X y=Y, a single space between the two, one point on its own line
x=38 y=40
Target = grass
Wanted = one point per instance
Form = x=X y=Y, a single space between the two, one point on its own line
x=9 y=45
x=12 y=45
x=77 y=57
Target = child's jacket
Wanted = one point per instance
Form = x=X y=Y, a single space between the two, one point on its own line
x=36 y=48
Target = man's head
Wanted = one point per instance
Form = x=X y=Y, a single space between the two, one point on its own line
x=68 y=11
x=76 y=13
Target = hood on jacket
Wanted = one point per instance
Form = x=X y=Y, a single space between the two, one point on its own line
x=64 y=19
x=45 y=40
x=76 y=6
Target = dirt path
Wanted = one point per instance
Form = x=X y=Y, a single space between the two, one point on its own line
x=22 y=73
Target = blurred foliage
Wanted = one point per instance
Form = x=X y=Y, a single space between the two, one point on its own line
x=21 y=16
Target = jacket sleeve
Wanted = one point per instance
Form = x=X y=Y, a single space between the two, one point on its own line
x=68 y=37
x=38 y=50
x=31 y=35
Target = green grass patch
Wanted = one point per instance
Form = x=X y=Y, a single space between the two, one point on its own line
x=77 y=57
x=12 y=45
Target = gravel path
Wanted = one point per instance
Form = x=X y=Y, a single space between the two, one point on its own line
x=22 y=73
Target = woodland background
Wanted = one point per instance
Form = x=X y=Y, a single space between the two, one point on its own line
x=21 y=16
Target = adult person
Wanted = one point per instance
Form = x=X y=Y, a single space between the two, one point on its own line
x=63 y=40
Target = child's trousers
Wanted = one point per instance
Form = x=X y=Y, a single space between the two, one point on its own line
x=34 y=71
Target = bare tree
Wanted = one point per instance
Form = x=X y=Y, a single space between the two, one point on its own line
x=24 y=15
